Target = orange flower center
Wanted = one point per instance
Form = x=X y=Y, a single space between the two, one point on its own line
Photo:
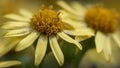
x=47 y=21
x=102 y=19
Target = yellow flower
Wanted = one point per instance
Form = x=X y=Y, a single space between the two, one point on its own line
x=5 y=64
x=44 y=26
x=103 y=21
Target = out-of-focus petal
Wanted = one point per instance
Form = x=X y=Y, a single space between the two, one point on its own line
x=17 y=17
x=100 y=41
x=4 y=64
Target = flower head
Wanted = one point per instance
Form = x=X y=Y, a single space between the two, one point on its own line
x=101 y=20
x=44 y=27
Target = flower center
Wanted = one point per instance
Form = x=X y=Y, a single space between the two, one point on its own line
x=47 y=21
x=102 y=19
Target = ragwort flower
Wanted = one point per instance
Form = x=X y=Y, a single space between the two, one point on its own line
x=45 y=27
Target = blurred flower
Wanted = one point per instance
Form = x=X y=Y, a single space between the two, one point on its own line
x=46 y=26
x=103 y=21
x=5 y=64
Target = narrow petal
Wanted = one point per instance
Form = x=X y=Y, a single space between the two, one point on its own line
x=17 y=17
x=80 y=32
x=14 y=25
x=65 y=15
x=7 y=44
x=66 y=7
x=25 y=13
x=75 y=24
x=79 y=8
x=27 y=41
x=100 y=41
x=40 y=49
x=116 y=39
x=4 y=64
x=56 y=50
x=107 y=48
x=70 y=40
x=81 y=38
x=17 y=32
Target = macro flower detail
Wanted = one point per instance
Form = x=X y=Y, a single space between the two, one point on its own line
x=45 y=27
x=102 y=21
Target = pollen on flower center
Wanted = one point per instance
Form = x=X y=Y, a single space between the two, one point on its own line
x=47 y=21
x=102 y=19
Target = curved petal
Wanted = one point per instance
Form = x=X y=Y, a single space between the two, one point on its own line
x=17 y=17
x=27 y=41
x=18 y=32
x=116 y=39
x=40 y=49
x=70 y=40
x=100 y=41
x=4 y=64
x=14 y=25
x=25 y=13
x=107 y=48
x=56 y=50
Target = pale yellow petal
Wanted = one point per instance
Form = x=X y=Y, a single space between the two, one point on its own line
x=107 y=48
x=7 y=44
x=14 y=25
x=17 y=32
x=67 y=7
x=64 y=15
x=79 y=8
x=100 y=41
x=56 y=50
x=40 y=49
x=70 y=40
x=27 y=41
x=81 y=38
x=116 y=39
x=80 y=32
x=17 y=17
x=4 y=64
x=75 y=24
x=25 y=13
x=64 y=5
